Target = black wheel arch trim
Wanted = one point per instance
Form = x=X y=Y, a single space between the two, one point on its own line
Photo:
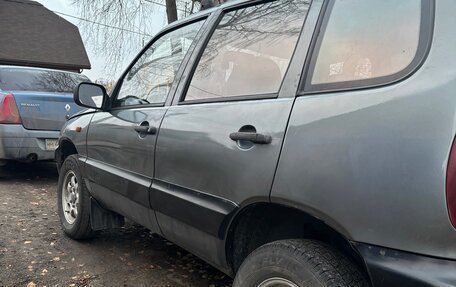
x=315 y=213
x=297 y=207
x=58 y=154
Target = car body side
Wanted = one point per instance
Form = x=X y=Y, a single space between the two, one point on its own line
x=365 y=167
x=372 y=162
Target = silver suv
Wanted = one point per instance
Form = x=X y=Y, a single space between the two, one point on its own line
x=287 y=143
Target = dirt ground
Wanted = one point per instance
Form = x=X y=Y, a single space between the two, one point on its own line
x=35 y=252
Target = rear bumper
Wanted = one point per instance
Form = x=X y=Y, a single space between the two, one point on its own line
x=388 y=267
x=18 y=143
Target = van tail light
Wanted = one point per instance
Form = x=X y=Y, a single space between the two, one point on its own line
x=9 y=114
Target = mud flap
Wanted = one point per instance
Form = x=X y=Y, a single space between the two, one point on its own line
x=101 y=218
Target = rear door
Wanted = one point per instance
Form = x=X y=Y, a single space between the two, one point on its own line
x=220 y=141
x=121 y=142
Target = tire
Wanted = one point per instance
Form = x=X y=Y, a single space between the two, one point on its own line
x=73 y=201
x=298 y=263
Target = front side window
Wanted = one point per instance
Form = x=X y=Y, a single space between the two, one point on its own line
x=367 y=40
x=149 y=80
x=249 y=51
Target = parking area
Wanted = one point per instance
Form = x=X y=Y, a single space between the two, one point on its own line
x=35 y=252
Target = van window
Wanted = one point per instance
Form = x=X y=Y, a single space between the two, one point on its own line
x=365 y=40
x=249 y=51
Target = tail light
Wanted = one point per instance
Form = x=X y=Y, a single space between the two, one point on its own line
x=9 y=114
x=451 y=184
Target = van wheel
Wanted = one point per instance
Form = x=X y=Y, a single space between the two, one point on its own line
x=298 y=263
x=73 y=201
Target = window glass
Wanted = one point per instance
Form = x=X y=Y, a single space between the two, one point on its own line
x=249 y=52
x=37 y=80
x=151 y=77
x=366 y=39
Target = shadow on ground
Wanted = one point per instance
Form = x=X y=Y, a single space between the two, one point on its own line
x=34 y=249
x=16 y=170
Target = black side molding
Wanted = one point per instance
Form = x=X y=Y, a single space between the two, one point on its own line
x=205 y=212
x=389 y=267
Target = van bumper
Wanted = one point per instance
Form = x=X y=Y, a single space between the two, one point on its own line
x=18 y=143
x=388 y=267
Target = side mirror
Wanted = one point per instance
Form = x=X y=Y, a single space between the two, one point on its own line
x=91 y=95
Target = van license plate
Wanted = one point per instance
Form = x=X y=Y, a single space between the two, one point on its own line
x=51 y=144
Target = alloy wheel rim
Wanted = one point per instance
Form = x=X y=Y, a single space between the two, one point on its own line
x=277 y=282
x=70 y=197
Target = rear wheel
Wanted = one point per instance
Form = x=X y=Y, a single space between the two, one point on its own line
x=73 y=201
x=298 y=263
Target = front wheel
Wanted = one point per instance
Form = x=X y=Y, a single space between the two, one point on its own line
x=73 y=201
x=298 y=263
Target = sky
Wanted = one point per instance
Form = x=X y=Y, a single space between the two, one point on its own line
x=98 y=61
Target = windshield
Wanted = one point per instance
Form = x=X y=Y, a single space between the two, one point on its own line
x=18 y=79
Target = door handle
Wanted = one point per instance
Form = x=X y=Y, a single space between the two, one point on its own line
x=252 y=137
x=146 y=130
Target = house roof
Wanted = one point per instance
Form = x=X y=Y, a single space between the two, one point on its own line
x=32 y=35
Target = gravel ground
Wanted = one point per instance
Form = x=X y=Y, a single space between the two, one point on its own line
x=35 y=252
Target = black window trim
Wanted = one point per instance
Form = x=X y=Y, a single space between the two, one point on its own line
x=200 y=53
x=239 y=98
x=424 y=45
x=159 y=35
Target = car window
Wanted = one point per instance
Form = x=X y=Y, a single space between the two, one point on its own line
x=249 y=51
x=149 y=80
x=36 y=80
x=364 y=40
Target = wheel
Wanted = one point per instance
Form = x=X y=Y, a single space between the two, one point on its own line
x=298 y=263
x=73 y=201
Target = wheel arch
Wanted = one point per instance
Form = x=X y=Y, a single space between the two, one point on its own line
x=263 y=222
x=65 y=149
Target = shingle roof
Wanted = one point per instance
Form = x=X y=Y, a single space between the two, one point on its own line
x=31 y=35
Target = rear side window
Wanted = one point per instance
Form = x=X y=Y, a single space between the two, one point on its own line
x=368 y=42
x=35 y=80
x=249 y=51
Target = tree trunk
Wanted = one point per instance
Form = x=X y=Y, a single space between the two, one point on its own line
x=171 y=10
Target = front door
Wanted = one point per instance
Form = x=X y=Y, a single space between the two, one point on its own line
x=121 y=142
x=219 y=143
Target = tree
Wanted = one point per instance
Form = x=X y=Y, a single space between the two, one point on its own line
x=171 y=10
x=118 y=29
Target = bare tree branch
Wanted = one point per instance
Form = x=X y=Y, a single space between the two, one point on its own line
x=125 y=26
